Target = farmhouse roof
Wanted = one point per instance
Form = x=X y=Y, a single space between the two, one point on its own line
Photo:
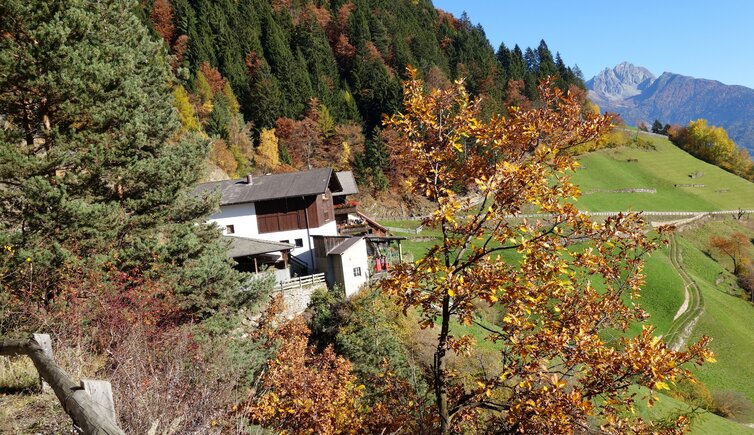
x=243 y=246
x=347 y=182
x=273 y=186
x=343 y=246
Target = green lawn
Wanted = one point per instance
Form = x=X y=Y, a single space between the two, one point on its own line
x=660 y=169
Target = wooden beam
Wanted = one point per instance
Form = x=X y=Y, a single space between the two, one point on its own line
x=75 y=400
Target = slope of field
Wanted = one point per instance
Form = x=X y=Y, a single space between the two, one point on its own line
x=704 y=423
x=727 y=318
x=666 y=169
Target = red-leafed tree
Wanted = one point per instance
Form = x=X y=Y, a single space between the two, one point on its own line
x=213 y=76
x=162 y=20
x=736 y=247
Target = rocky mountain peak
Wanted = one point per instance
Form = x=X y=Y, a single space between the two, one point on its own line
x=623 y=81
x=638 y=96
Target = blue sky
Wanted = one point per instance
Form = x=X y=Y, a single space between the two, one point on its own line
x=704 y=39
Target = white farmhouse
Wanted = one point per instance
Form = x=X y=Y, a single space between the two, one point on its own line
x=286 y=208
x=287 y=222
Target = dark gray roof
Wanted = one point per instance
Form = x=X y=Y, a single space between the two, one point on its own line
x=344 y=245
x=243 y=246
x=347 y=182
x=286 y=185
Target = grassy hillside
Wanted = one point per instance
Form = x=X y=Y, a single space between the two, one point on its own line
x=662 y=169
x=703 y=423
x=728 y=318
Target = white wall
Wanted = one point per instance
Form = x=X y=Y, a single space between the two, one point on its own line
x=303 y=253
x=355 y=256
x=243 y=217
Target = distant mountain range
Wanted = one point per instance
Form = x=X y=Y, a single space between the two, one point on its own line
x=637 y=95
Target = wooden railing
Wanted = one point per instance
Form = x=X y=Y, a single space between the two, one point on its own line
x=89 y=403
x=303 y=281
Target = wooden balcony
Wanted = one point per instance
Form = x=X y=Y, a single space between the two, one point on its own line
x=339 y=211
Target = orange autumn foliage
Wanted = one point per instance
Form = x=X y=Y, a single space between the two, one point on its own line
x=736 y=247
x=557 y=371
x=213 y=76
x=305 y=391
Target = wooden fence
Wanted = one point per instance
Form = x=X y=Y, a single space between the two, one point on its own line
x=88 y=403
x=416 y=230
x=303 y=281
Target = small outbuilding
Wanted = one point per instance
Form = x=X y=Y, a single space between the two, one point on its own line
x=344 y=261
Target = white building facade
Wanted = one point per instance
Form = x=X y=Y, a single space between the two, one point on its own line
x=288 y=208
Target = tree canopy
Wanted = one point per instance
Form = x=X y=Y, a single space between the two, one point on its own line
x=95 y=171
x=564 y=286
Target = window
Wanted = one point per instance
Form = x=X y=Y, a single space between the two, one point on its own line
x=230 y=229
x=299 y=243
x=284 y=241
x=356 y=271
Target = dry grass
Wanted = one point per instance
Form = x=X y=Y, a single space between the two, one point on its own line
x=17 y=374
x=23 y=408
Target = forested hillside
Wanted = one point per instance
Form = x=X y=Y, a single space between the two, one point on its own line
x=322 y=74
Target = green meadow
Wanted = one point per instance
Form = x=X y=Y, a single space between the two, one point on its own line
x=668 y=170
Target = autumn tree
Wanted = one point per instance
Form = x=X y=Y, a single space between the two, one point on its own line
x=302 y=139
x=735 y=247
x=186 y=112
x=712 y=144
x=564 y=284
x=306 y=391
x=162 y=19
x=267 y=153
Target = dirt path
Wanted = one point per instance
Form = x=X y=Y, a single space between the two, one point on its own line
x=693 y=305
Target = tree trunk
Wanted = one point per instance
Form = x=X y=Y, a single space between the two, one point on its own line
x=441 y=387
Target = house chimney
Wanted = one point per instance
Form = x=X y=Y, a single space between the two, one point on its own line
x=249 y=180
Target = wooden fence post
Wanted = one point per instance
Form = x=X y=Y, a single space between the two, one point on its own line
x=45 y=342
x=102 y=396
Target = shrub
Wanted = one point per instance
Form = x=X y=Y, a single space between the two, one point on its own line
x=173 y=384
x=695 y=394
x=734 y=405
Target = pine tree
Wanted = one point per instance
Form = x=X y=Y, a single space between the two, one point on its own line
x=230 y=97
x=517 y=69
x=378 y=93
x=93 y=166
x=220 y=117
x=503 y=56
x=546 y=64
x=311 y=40
x=288 y=67
x=265 y=99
